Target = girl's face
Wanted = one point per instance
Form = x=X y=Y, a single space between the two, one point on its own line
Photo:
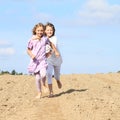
x=39 y=31
x=49 y=31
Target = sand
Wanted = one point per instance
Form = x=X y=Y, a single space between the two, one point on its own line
x=82 y=97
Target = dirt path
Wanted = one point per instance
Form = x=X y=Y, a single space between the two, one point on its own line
x=18 y=101
x=82 y=97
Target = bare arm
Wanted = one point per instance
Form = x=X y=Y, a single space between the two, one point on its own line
x=54 y=49
x=30 y=53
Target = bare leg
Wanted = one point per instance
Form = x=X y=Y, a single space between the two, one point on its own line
x=43 y=76
x=57 y=76
x=50 y=90
x=44 y=81
x=38 y=85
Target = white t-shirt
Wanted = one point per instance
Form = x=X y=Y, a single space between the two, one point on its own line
x=57 y=61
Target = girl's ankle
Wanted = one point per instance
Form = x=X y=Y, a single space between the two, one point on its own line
x=51 y=92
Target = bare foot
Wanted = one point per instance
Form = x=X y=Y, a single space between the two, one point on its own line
x=39 y=95
x=45 y=89
x=59 y=84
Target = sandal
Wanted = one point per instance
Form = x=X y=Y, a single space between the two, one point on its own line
x=51 y=95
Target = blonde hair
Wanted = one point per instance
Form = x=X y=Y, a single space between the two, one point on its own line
x=36 y=26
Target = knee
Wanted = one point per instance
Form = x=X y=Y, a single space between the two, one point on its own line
x=43 y=74
x=57 y=77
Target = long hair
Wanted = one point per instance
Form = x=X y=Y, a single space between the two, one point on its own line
x=36 y=26
x=52 y=26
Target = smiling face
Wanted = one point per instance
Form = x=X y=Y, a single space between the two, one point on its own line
x=39 y=31
x=49 y=31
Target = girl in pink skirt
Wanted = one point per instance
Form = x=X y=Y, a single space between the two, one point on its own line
x=37 y=51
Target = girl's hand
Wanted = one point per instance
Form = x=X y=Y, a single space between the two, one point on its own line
x=32 y=56
x=35 y=60
x=57 y=54
x=35 y=37
x=30 y=53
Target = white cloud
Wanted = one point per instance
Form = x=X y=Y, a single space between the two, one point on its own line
x=96 y=12
x=7 y=51
x=4 y=43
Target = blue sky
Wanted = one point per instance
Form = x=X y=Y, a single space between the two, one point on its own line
x=88 y=32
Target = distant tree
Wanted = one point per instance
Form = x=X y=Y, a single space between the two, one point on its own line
x=118 y=72
x=13 y=72
x=4 y=72
x=20 y=74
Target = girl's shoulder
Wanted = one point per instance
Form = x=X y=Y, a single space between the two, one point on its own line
x=44 y=37
x=32 y=38
x=53 y=38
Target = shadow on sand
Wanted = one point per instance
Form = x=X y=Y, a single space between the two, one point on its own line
x=70 y=91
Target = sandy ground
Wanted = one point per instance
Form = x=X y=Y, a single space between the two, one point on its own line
x=82 y=97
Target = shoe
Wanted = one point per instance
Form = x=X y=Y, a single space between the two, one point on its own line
x=50 y=96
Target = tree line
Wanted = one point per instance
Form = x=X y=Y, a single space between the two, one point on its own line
x=13 y=72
